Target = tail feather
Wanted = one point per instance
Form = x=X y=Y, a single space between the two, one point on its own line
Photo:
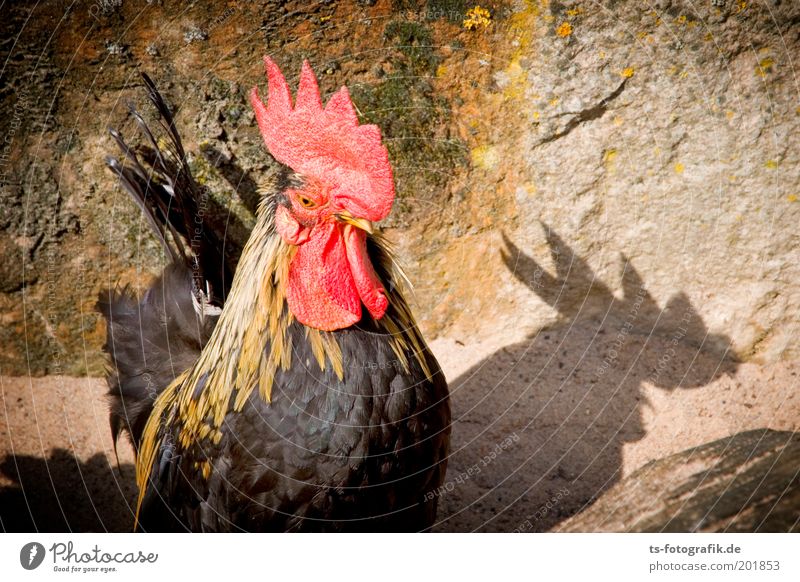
x=152 y=340
x=159 y=180
x=132 y=181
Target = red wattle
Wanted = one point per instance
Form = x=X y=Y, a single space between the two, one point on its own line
x=321 y=292
x=330 y=276
x=366 y=281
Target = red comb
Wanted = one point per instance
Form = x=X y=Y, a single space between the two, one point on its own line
x=328 y=143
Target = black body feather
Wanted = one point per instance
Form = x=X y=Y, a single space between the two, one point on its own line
x=324 y=455
x=363 y=452
x=149 y=341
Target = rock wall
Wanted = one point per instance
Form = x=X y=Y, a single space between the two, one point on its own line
x=744 y=483
x=610 y=150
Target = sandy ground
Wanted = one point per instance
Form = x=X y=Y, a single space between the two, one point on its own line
x=561 y=415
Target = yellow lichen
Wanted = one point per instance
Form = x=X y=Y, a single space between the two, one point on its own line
x=477 y=17
x=765 y=66
x=517 y=80
x=521 y=27
x=679 y=167
x=485 y=157
x=627 y=72
x=564 y=29
x=771 y=164
x=792 y=198
x=528 y=188
x=609 y=160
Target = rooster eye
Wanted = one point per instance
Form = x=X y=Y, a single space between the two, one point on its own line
x=305 y=201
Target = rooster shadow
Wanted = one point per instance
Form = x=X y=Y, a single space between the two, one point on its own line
x=540 y=426
x=61 y=493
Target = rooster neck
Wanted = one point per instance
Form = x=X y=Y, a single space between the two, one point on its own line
x=252 y=339
x=249 y=342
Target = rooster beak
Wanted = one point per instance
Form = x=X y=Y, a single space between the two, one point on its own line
x=361 y=223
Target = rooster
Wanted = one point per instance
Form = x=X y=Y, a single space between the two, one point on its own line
x=300 y=395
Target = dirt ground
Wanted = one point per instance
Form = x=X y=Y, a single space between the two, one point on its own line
x=561 y=415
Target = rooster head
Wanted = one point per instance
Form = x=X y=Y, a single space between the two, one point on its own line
x=346 y=185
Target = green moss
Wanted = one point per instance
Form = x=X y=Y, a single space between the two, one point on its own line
x=452 y=10
x=414 y=41
x=200 y=169
x=413 y=118
x=406 y=5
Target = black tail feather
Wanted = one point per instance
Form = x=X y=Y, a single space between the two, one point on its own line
x=150 y=341
x=132 y=181
x=158 y=178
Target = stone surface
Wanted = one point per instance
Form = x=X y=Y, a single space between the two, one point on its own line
x=659 y=141
x=748 y=482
